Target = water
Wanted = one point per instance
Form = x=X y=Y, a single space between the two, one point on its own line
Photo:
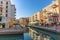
x=27 y=37
x=45 y=35
x=39 y=34
x=15 y=37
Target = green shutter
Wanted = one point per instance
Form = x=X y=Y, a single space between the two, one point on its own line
x=3 y=25
x=0 y=18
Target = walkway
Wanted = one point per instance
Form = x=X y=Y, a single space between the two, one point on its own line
x=17 y=29
x=54 y=28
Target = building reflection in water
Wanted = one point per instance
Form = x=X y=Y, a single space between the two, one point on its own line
x=38 y=34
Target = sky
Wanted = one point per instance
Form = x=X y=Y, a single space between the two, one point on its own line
x=26 y=8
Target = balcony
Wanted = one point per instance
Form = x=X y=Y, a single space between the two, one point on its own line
x=14 y=15
x=0 y=8
x=49 y=13
x=45 y=17
x=54 y=15
x=15 y=12
x=0 y=14
x=15 y=9
x=0 y=5
x=55 y=5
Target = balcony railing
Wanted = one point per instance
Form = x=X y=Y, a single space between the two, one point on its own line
x=15 y=9
x=54 y=15
x=15 y=12
x=0 y=5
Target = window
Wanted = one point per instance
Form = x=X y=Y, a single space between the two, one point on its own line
x=1 y=10
x=6 y=15
x=6 y=10
x=6 y=6
x=50 y=19
x=0 y=13
x=0 y=18
x=1 y=2
x=6 y=2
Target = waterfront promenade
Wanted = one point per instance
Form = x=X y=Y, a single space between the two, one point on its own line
x=52 y=29
x=13 y=30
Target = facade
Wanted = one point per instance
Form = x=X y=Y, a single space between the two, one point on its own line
x=12 y=15
x=16 y=23
x=24 y=21
x=41 y=17
x=5 y=13
x=51 y=13
x=34 y=18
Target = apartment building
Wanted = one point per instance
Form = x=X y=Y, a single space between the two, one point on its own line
x=5 y=13
x=51 y=13
x=24 y=21
x=34 y=18
x=41 y=17
x=12 y=15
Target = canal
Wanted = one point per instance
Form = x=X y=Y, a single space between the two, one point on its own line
x=39 y=34
x=15 y=37
x=34 y=34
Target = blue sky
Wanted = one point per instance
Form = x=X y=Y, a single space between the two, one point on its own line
x=25 y=8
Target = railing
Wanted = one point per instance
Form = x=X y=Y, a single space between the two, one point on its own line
x=54 y=14
x=53 y=28
x=0 y=5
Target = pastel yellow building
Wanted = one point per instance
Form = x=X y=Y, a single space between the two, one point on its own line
x=23 y=22
x=51 y=13
x=41 y=17
x=35 y=17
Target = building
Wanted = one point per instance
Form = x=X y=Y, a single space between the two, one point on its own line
x=34 y=18
x=51 y=13
x=24 y=21
x=41 y=17
x=12 y=15
x=5 y=13
x=16 y=23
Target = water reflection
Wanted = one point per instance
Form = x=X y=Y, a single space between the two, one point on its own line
x=25 y=36
x=38 y=34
